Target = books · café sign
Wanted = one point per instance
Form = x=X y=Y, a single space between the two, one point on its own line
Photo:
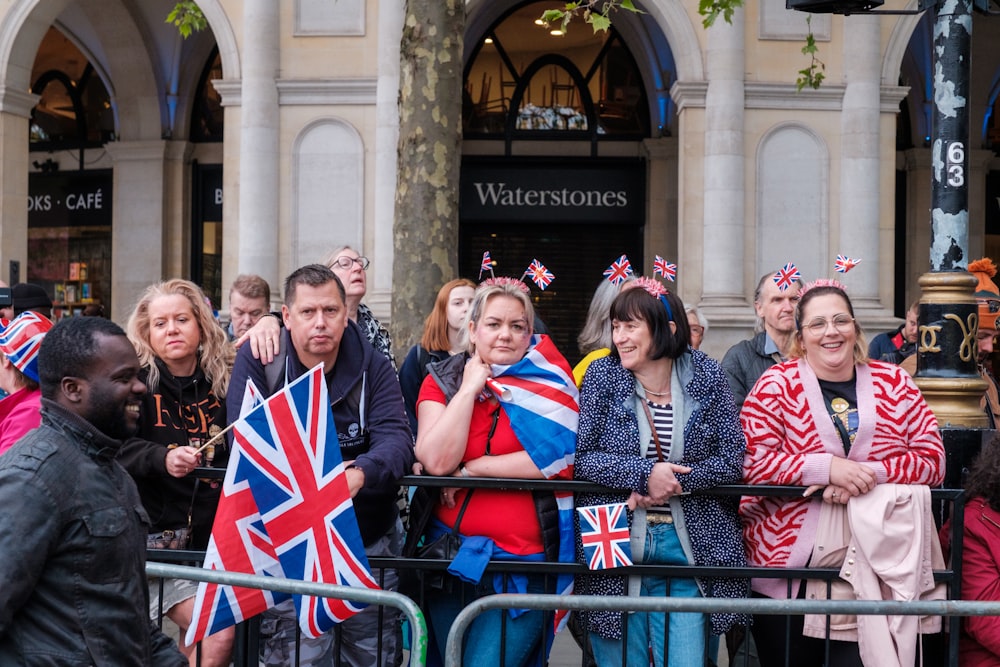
x=532 y=191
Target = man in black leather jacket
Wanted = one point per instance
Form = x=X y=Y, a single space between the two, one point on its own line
x=73 y=534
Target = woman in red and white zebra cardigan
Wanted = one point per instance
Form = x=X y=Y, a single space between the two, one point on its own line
x=828 y=419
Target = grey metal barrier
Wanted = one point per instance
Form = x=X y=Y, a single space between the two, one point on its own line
x=948 y=608
x=418 y=626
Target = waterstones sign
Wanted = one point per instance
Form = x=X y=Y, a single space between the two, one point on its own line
x=70 y=199
x=597 y=191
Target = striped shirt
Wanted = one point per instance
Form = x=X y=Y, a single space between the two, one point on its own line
x=663 y=424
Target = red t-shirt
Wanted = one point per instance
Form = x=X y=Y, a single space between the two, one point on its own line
x=508 y=518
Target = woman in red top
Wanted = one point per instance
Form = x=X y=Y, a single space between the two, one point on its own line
x=464 y=432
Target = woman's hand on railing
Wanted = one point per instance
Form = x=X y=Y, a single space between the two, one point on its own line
x=662 y=484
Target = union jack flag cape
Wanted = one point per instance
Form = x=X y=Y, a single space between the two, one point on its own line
x=539 y=274
x=605 y=535
x=619 y=270
x=544 y=408
x=843 y=263
x=285 y=511
x=664 y=268
x=786 y=276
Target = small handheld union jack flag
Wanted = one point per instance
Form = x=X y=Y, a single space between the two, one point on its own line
x=619 y=270
x=843 y=263
x=486 y=264
x=605 y=536
x=664 y=268
x=539 y=274
x=786 y=276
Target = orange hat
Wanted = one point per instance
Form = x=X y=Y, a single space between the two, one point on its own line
x=987 y=293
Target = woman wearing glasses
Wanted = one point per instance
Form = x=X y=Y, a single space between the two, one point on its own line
x=352 y=270
x=841 y=425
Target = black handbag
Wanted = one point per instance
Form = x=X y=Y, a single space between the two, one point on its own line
x=444 y=547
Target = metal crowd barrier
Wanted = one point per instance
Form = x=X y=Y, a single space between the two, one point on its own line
x=418 y=626
x=947 y=502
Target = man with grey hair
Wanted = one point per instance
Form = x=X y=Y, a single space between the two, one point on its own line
x=746 y=361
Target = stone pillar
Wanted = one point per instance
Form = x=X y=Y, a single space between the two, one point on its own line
x=259 y=153
x=15 y=110
x=177 y=250
x=138 y=239
x=724 y=272
x=390 y=32
x=860 y=159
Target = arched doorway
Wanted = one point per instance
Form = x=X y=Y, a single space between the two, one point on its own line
x=557 y=130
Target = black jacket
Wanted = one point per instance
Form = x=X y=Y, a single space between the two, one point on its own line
x=73 y=553
x=744 y=363
x=178 y=412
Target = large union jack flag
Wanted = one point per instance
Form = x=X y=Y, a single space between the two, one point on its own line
x=605 y=536
x=619 y=270
x=285 y=511
x=539 y=274
x=786 y=276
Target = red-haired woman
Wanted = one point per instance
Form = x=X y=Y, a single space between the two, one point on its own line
x=441 y=339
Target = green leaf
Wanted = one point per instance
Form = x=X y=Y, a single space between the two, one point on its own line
x=600 y=22
x=629 y=6
x=553 y=15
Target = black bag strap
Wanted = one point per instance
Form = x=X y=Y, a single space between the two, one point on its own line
x=274 y=372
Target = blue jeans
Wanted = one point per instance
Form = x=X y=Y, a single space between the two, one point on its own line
x=685 y=646
x=523 y=636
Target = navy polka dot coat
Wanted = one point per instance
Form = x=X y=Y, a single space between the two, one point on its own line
x=610 y=450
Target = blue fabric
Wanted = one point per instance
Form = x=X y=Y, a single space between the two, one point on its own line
x=685 y=645
x=475 y=553
x=472 y=558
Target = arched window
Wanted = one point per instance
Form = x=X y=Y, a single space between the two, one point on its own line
x=529 y=80
x=75 y=108
x=207 y=116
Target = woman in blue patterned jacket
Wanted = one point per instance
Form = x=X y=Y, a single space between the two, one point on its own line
x=658 y=418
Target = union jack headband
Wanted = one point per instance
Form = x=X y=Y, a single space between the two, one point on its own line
x=22 y=338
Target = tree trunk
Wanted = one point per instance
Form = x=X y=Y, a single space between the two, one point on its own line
x=425 y=229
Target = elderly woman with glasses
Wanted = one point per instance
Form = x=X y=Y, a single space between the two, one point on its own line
x=843 y=426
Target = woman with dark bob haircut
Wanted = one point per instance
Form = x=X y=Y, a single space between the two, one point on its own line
x=658 y=418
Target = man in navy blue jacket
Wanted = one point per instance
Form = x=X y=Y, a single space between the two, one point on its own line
x=375 y=442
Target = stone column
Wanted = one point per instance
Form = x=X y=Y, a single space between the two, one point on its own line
x=138 y=240
x=724 y=270
x=15 y=110
x=860 y=159
x=390 y=31
x=258 y=200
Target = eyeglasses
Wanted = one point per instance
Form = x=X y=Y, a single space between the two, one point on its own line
x=842 y=323
x=346 y=262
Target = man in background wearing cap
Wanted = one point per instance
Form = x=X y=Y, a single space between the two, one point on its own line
x=988 y=299
x=19 y=344
x=28 y=296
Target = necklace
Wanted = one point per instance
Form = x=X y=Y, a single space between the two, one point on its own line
x=654 y=393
